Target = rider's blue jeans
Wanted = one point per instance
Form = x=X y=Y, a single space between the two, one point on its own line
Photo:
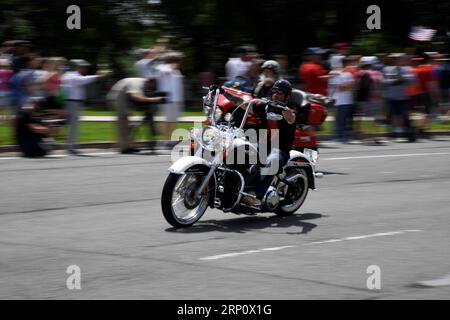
x=276 y=160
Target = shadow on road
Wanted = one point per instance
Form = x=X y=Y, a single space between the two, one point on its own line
x=328 y=173
x=252 y=223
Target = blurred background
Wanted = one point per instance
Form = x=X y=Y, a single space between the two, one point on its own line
x=115 y=35
x=207 y=32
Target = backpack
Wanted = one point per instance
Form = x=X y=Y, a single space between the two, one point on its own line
x=363 y=88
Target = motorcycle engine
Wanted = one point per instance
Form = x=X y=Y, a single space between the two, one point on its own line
x=271 y=199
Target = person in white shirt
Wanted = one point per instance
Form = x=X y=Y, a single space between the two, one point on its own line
x=340 y=88
x=236 y=66
x=74 y=83
x=147 y=67
x=170 y=81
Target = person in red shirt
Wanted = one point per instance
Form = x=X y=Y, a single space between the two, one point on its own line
x=422 y=92
x=312 y=74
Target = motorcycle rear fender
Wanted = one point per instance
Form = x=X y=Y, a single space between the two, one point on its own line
x=298 y=159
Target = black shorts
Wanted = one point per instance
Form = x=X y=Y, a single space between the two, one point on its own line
x=397 y=107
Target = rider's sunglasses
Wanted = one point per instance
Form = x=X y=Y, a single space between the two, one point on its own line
x=277 y=91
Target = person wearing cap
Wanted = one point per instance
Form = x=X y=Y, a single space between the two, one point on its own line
x=341 y=51
x=270 y=74
x=123 y=97
x=312 y=74
x=74 y=83
x=340 y=88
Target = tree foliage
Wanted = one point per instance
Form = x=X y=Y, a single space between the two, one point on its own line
x=207 y=31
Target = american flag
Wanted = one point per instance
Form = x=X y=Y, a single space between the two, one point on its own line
x=421 y=34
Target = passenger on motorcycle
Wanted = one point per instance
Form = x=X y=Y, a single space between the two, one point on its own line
x=270 y=74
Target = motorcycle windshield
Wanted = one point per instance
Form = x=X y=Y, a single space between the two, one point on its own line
x=235 y=96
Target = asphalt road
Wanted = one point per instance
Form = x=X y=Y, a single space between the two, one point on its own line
x=387 y=206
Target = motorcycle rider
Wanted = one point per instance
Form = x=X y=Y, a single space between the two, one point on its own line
x=284 y=132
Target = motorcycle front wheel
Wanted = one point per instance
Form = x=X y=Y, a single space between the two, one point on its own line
x=180 y=207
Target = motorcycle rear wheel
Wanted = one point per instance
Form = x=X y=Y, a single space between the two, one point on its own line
x=179 y=206
x=288 y=206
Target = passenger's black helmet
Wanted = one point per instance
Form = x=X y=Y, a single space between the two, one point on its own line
x=283 y=86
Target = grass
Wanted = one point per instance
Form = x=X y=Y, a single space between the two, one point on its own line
x=106 y=131
x=93 y=132
x=101 y=112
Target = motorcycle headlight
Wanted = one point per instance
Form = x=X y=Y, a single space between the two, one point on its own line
x=218 y=114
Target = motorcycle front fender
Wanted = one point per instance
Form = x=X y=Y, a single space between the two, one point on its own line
x=182 y=165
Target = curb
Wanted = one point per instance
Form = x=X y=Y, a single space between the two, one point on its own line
x=168 y=144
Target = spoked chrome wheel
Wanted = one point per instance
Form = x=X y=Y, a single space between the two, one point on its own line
x=294 y=196
x=180 y=206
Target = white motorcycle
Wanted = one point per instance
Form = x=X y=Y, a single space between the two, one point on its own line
x=212 y=176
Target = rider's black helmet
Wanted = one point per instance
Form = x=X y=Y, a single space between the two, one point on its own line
x=283 y=86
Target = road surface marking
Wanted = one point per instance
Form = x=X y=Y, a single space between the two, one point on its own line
x=388 y=156
x=242 y=253
x=384 y=234
x=235 y=254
